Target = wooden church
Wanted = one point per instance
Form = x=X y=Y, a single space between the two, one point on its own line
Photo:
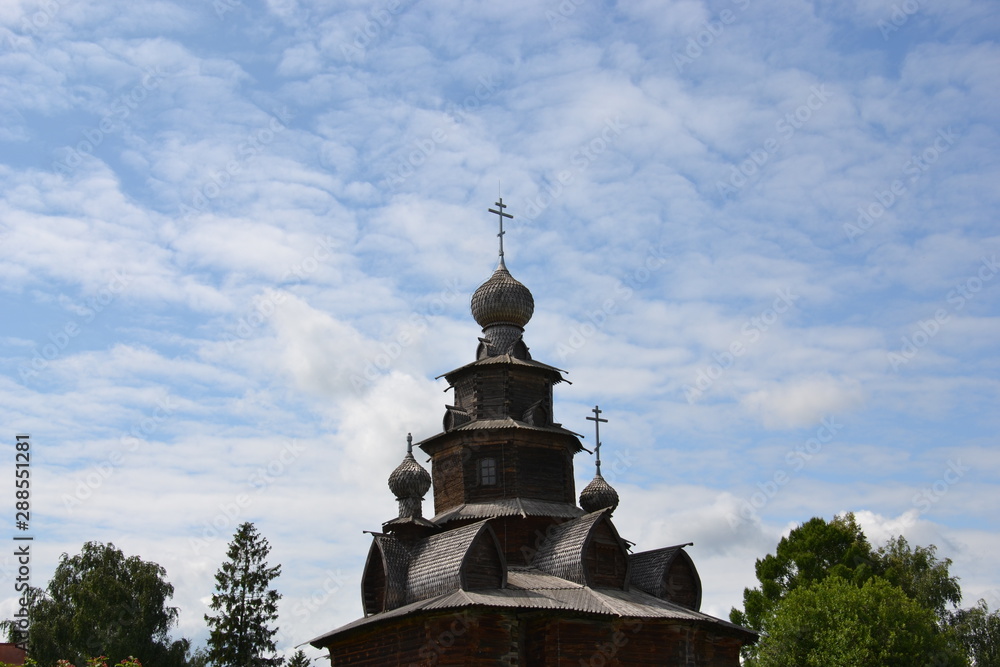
x=510 y=570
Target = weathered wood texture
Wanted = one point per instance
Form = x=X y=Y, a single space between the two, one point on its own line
x=683 y=585
x=627 y=642
x=483 y=567
x=605 y=560
x=460 y=638
x=473 y=637
x=498 y=392
x=373 y=582
x=528 y=465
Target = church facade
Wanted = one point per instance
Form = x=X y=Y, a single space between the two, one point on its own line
x=513 y=568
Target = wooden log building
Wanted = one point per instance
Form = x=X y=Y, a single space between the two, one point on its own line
x=510 y=570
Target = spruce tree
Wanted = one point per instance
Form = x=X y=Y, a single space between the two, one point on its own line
x=245 y=605
x=299 y=659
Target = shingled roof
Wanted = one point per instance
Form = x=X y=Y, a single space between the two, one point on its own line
x=438 y=564
x=534 y=589
x=564 y=551
x=668 y=573
x=509 y=507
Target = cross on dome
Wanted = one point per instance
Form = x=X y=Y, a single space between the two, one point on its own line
x=501 y=214
x=597 y=436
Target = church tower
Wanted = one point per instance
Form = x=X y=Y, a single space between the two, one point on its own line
x=510 y=570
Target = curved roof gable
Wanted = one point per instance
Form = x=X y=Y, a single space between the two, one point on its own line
x=587 y=550
x=669 y=574
x=398 y=573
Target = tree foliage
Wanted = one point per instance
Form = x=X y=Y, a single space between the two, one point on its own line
x=835 y=623
x=978 y=629
x=239 y=633
x=811 y=553
x=919 y=573
x=822 y=558
x=299 y=659
x=100 y=603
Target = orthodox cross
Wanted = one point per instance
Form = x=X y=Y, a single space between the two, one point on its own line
x=409 y=444
x=597 y=436
x=500 y=212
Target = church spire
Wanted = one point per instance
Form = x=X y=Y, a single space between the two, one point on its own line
x=598 y=494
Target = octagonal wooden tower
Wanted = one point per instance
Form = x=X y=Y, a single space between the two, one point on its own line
x=510 y=570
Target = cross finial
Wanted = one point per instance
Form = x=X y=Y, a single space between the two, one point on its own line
x=597 y=435
x=409 y=444
x=501 y=214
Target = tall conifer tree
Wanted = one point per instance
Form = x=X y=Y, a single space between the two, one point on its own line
x=245 y=604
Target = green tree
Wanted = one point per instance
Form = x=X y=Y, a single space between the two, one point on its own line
x=819 y=550
x=920 y=574
x=299 y=659
x=810 y=553
x=100 y=603
x=979 y=632
x=239 y=634
x=836 y=623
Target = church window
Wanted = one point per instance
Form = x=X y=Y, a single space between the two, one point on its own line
x=488 y=471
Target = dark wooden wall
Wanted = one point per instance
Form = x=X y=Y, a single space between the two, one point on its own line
x=534 y=639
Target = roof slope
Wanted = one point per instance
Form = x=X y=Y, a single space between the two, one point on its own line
x=531 y=588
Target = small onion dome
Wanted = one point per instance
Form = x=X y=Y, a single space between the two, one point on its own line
x=502 y=300
x=598 y=495
x=409 y=479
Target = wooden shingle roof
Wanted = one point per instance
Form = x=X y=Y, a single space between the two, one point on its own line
x=509 y=507
x=436 y=562
x=531 y=588
x=668 y=573
x=463 y=558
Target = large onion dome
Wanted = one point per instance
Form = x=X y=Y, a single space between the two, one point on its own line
x=598 y=495
x=502 y=300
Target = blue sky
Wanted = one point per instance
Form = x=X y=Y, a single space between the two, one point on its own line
x=240 y=240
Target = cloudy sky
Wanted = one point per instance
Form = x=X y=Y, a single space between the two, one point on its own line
x=239 y=240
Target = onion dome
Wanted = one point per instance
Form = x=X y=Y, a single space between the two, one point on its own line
x=409 y=482
x=502 y=300
x=598 y=495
